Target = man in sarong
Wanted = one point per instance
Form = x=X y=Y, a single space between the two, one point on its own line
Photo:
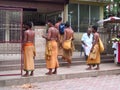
x=68 y=35
x=51 y=52
x=29 y=50
x=60 y=49
x=94 y=56
x=87 y=40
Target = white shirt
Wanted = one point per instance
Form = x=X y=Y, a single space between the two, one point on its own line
x=115 y=46
x=88 y=41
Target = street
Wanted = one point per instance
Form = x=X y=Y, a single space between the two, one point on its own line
x=110 y=82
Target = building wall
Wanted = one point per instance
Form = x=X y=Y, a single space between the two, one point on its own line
x=40 y=42
x=42 y=7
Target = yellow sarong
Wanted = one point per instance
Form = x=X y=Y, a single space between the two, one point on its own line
x=51 y=54
x=29 y=53
x=67 y=54
x=96 y=60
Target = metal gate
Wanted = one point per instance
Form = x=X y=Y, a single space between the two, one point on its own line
x=10 y=41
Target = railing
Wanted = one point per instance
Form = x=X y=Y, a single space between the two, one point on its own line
x=10 y=40
x=105 y=37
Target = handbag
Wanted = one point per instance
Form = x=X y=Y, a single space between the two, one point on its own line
x=101 y=46
x=92 y=55
x=67 y=44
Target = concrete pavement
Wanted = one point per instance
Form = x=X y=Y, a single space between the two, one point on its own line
x=106 y=82
x=78 y=71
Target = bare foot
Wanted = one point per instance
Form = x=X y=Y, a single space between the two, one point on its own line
x=31 y=74
x=48 y=73
x=69 y=61
x=88 y=68
x=54 y=72
x=96 y=68
x=93 y=65
x=25 y=75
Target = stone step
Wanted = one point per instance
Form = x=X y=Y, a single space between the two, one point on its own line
x=10 y=62
x=42 y=65
x=16 y=64
x=63 y=73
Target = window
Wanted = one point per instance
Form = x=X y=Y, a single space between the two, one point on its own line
x=84 y=17
x=81 y=16
x=10 y=25
x=73 y=16
x=95 y=14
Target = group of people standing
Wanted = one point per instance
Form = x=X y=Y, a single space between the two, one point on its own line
x=60 y=44
x=54 y=46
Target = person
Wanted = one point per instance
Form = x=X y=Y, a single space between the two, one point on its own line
x=51 y=48
x=60 y=49
x=59 y=21
x=114 y=45
x=86 y=41
x=68 y=35
x=115 y=49
x=95 y=52
x=29 y=50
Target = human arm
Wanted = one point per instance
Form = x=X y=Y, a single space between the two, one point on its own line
x=64 y=35
x=83 y=43
x=47 y=37
x=73 y=35
x=83 y=40
x=95 y=40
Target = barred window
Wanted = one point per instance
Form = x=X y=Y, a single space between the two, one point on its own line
x=82 y=15
x=10 y=25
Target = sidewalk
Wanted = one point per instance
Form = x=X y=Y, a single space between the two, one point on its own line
x=78 y=71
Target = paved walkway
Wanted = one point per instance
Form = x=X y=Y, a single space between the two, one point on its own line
x=63 y=73
x=61 y=70
x=90 y=83
x=78 y=71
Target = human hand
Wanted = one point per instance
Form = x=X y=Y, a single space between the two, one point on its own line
x=91 y=50
x=43 y=36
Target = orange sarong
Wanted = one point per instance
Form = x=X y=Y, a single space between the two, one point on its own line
x=67 y=54
x=29 y=53
x=51 y=54
x=96 y=56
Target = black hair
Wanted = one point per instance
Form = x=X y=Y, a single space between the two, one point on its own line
x=95 y=27
x=52 y=21
x=67 y=24
x=29 y=24
x=59 y=19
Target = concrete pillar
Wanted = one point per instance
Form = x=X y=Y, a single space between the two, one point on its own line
x=65 y=18
x=101 y=12
x=40 y=42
